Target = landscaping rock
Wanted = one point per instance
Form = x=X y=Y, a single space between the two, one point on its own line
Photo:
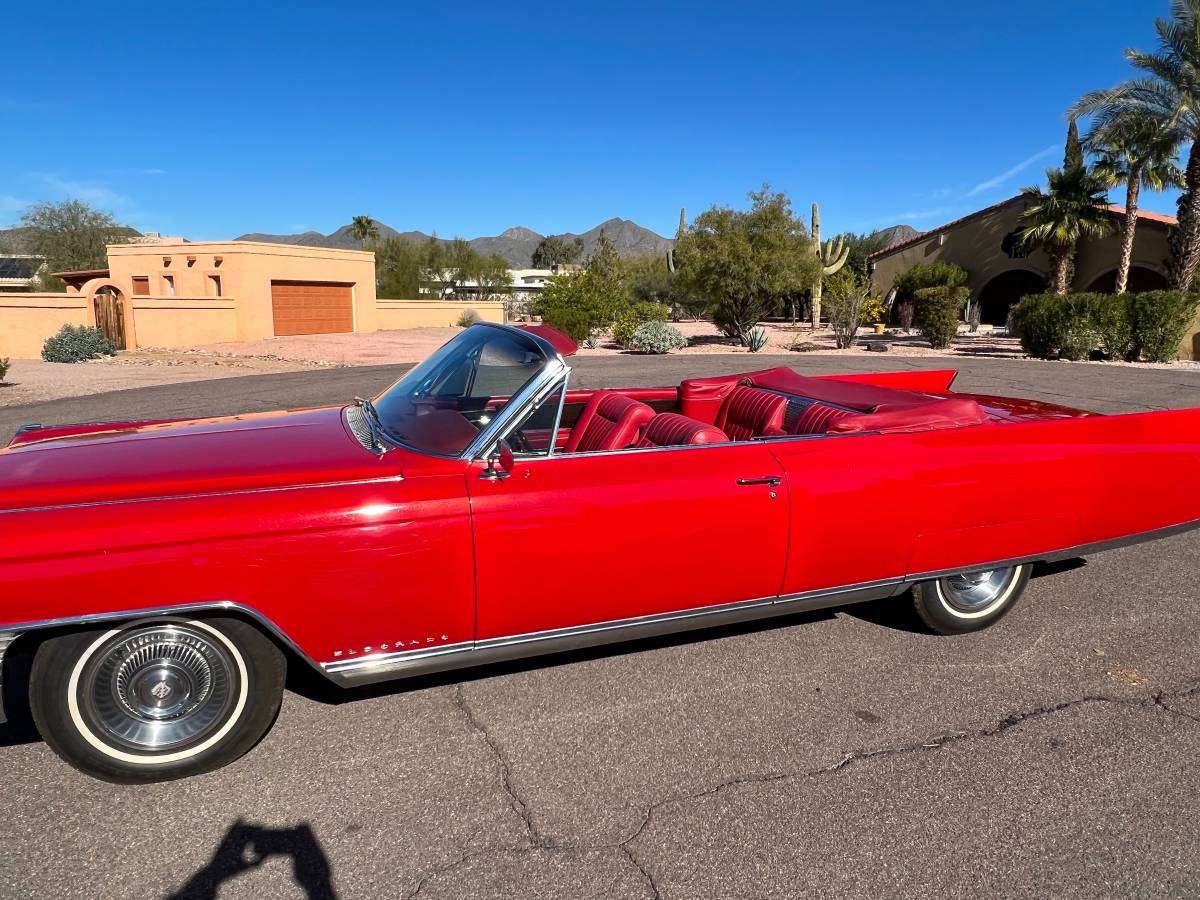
x=878 y=346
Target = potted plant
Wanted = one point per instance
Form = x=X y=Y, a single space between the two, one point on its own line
x=873 y=312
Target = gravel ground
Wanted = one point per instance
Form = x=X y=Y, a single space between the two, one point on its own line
x=841 y=754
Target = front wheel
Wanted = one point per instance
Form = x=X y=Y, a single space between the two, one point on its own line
x=972 y=601
x=156 y=700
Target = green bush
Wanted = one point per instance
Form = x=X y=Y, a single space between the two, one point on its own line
x=657 y=337
x=1160 y=320
x=4 y=364
x=579 y=303
x=575 y=324
x=76 y=343
x=467 y=318
x=634 y=317
x=937 y=313
x=1128 y=326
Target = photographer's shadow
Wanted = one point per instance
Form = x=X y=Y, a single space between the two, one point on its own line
x=246 y=847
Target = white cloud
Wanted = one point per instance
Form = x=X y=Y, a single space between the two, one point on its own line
x=1010 y=173
x=88 y=191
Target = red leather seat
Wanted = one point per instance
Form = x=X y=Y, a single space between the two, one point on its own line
x=749 y=412
x=609 y=421
x=817 y=417
x=674 y=430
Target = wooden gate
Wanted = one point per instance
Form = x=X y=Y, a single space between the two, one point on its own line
x=110 y=316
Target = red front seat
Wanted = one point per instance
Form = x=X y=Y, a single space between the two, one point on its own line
x=749 y=412
x=674 y=430
x=610 y=421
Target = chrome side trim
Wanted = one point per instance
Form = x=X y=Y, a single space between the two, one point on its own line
x=234 y=493
x=1128 y=540
x=6 y=639
x=403 y=664
x=176 y=610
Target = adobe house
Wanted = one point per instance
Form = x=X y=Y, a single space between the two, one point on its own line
x=986 y=244
x=175 y=293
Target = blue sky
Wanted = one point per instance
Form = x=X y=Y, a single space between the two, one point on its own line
x=214 y=119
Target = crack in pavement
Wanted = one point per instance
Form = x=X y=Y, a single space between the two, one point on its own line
x=537 y=842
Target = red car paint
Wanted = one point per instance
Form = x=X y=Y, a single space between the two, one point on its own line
x=348 y=553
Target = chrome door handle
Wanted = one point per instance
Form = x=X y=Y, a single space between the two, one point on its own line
x=770 y=480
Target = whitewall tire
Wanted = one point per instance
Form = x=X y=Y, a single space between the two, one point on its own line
x=970 y=601
x=156 y=699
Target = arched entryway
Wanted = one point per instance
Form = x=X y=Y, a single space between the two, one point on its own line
x=1001 y=293
x=1140 y=279
x=109 y=311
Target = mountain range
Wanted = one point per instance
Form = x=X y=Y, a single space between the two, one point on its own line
x=515 y=244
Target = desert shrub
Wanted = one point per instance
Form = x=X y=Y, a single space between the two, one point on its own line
x=906 y=311
x=844 y=298
x=592 y=341
x=873 y=311
x=574 y=323
x=467 y=318
x=4 y=364
x=756 y=339
x=76 y=343
x=657 y=337
x=1160 y=320
x=937 y=313
x=634 y=317
x=579 y=303
x=1037 y=321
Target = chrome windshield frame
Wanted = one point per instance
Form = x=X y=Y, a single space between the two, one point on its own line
x=528 y=397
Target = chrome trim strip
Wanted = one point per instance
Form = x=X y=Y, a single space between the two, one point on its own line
x=386 y=666
x=178 y=609
x=1128 y=540
x=562 y=401
x=233 y=493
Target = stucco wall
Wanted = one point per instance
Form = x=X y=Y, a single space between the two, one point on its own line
x=399 y=314
x=246 y=270
x=183 y=321
x=26 y=320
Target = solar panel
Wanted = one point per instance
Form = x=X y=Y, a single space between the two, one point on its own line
x=18 y=267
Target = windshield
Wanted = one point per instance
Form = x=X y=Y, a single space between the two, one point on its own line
x=442 y=404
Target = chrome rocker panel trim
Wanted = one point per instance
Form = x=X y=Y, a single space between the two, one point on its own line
x=386 y=666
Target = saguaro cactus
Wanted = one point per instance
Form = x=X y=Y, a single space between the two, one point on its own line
x=678 y=235
x=833 y=256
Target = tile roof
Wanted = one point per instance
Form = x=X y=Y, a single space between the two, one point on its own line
x=1143 y=214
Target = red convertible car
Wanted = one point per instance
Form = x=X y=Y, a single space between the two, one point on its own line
x=162 y=575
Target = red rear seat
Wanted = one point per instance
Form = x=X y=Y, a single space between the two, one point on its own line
x=609 y=421
x=674 y=430
x=817 y=417
x=749 y=412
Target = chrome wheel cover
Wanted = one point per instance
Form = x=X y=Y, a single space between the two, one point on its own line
x=972 y=593
x=158 y=688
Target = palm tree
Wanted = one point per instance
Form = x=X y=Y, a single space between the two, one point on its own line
x=1170 y=93
x=1074 y=206
x=363 y=228
x=1136 y=149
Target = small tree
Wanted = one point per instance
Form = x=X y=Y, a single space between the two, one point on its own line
x=845 y=294
x=744 y=262
x=71 y=235
x=554 y=251
x=578 y=303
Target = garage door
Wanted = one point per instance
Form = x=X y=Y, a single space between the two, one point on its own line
x=312 y=307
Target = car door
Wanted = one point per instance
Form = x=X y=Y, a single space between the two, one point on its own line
x=577 y=539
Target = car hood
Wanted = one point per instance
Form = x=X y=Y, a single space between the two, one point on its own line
x=146 y=460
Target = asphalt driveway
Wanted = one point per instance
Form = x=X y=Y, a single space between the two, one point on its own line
x=843 y=754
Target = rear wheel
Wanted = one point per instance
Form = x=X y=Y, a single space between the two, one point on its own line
x=970 y=601
x=156 y=699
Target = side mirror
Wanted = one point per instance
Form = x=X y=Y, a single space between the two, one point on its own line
x=499 y=464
